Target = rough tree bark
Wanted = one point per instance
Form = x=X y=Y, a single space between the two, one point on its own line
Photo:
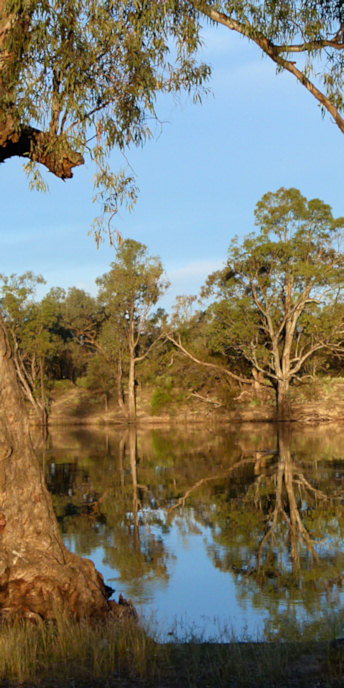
x=282 y=399
x=39 y=577
x=30 y=143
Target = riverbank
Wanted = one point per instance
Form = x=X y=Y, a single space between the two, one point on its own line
x=77 y=654
x=317 y=401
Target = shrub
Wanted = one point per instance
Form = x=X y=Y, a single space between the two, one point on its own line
x=161 y=397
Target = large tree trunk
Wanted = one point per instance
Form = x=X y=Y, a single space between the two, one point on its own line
x=282 y=400
x=38 y=575
x=120 y=399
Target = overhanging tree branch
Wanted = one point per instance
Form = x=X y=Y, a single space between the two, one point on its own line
x=49 y=150
x=274 y=52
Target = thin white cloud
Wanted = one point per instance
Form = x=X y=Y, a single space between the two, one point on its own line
x=199 y=268
x=237 y=61
x=17 y=237
x=221 y=41
x=254 y=75
x=29 y=235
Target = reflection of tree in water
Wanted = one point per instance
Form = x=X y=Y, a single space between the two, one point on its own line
x=283 y=534
x=101 y=508
x=135 y=550
x=274 y=518
x=292 y=495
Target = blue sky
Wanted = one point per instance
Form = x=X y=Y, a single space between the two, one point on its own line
x=199 y=180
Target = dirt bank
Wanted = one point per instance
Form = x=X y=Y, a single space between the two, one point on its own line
x=319 y=401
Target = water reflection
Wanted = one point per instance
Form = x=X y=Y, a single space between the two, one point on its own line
x=265 y=503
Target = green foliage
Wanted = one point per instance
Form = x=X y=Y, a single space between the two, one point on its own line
x=134 y=283
x=90 y=341
x=79 y=327
x=162 y=396
x=99 y=374
x=81 y=315
x=127 y=294
x=33 y=332
x=63 y=385
x=82 y=382
x=279 y=300
x=88 y=73
x=303 y=38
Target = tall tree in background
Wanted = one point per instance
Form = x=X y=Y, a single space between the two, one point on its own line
x=30 y=325
x=279 y=300
x=81 y=318
x=129 y=291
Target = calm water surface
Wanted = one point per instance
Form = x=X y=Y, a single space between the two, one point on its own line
x=208 y=529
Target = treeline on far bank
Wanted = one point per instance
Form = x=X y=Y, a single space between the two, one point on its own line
x=263 y=328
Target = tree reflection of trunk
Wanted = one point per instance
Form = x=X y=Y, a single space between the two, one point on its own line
x=267 y=511
x=269 y=537
x=286 y=506
x=132 y=442
x=38 y=575
x=121 y=454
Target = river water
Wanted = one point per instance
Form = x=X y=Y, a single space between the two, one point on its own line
x=218 y=532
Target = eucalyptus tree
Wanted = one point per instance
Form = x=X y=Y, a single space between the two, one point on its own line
x=81 y=77
x=302 y=37
x=76 y=78
x=81 y=318
x=279 y=299
x=128 y=292
x=31 y=326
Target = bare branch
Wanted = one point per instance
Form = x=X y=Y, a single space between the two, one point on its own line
x=213 y=366
x=202 y=481
x=216 y=402
x=150 y=348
